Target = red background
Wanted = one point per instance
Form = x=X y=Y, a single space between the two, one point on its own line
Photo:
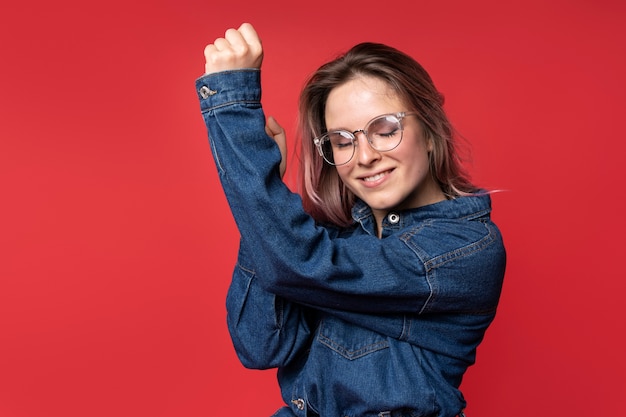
x=116 y=244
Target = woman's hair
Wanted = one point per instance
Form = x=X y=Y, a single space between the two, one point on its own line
x=324 y=195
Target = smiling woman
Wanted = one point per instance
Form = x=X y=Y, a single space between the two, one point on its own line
x=372 y=297
x=369 y=80
x=385 y=179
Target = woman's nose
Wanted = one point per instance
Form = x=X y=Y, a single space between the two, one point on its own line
x=364 y=152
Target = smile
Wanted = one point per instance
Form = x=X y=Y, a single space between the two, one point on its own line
x=376 y=177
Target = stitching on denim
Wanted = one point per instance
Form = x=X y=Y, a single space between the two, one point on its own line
x=442 y=259
x=430 y=294
x=229 y=103
x=347 y=353
x=406 y=328
x=353 y=354
x=218 y=162
x=464 y=251
x=248 y=270
x=476 y=215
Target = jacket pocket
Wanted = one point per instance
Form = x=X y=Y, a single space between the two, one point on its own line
x=349 y=341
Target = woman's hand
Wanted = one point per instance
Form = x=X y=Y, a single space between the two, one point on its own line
x=239 y=48
x=276 y=131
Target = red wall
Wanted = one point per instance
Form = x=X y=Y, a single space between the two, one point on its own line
x=116 y=244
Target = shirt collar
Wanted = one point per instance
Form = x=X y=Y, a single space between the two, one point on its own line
x=472 y=206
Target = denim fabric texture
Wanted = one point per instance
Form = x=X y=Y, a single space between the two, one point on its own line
x=357 y=326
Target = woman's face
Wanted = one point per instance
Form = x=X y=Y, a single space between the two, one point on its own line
x=386 y=181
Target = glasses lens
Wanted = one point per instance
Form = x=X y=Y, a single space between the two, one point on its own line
x=338 y=147
x=385 y=133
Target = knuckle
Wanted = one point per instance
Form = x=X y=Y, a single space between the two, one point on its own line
x=242 y=49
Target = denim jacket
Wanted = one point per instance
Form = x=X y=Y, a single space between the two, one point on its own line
x=357 y=326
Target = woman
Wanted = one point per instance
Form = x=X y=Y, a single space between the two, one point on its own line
x=371 y=291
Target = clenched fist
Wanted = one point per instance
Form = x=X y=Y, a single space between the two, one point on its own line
x=239 y=48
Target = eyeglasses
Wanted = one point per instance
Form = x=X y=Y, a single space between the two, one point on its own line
x=383 y=133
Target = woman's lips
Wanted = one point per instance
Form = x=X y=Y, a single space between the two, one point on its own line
x=376 y=178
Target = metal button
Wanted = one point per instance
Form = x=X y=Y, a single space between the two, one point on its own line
x=299 y=403
x=393 y=218
x=206 y=92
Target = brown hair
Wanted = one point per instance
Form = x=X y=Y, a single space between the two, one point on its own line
x=324 y=195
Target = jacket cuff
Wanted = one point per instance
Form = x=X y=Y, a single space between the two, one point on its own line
x=228 y=87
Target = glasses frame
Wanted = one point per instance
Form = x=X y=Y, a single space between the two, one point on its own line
x=320 y=140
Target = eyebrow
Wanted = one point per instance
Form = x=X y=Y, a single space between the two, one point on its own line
x=356 y=130
x=350 y=130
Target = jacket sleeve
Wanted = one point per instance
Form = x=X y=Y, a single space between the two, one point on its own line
x=296 y=259
x=267 y=331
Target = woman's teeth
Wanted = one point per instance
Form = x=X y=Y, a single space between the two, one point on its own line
x=375 y=177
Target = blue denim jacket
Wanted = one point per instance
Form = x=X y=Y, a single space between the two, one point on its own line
x=357 y=326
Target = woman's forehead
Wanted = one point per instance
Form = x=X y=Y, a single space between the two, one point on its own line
x=359 y=100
